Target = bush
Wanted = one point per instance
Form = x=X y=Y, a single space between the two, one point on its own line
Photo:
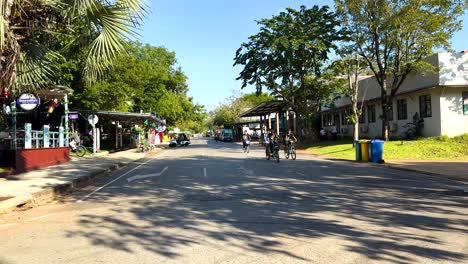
x=443 y=138
x=463 y=138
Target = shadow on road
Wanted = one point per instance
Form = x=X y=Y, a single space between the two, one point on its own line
x=247 y=204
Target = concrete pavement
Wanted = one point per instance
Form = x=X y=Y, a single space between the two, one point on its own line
x=27 y=189
x=216 y=204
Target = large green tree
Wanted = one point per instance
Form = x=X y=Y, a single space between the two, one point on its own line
x=28 y=29
x=147 y=78
x=394 y=37
x=288 y=55
x=228 y=113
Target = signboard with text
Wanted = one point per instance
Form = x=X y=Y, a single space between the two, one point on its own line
x=28 y=101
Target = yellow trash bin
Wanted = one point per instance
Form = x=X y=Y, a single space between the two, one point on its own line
x=365 y=149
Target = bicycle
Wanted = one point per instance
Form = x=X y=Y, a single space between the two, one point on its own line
x=77 y=148
x=290 y=150
x=275 y=155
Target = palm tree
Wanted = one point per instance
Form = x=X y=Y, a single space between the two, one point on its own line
x=27 y=27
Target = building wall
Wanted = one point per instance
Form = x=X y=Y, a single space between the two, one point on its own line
x=432 y=125
x=453 y=122
x=453 y=71
x=445 y=87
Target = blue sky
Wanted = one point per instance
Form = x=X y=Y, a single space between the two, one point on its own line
x=205 y=35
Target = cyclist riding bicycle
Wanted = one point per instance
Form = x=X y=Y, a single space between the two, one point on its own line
x=290 y=138
x=272 y=140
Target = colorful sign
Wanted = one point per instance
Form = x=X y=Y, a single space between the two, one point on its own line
x=28 y=101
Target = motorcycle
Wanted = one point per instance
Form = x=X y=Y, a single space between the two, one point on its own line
x=274 y=154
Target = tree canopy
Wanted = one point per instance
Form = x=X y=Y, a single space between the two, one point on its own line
x=395 y=37
x=227 y=114
x=29 y=30
x=288 y=56
x=147 y=79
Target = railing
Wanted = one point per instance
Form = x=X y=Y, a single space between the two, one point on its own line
x=37 y=140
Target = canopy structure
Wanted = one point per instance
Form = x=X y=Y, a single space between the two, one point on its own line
x=126 y=116
x=265 y=109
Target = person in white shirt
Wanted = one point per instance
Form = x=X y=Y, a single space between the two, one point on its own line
x=323 y=133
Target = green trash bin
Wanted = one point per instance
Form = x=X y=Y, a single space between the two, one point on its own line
x=357 y=146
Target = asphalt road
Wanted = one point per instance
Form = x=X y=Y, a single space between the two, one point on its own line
x=212 y=203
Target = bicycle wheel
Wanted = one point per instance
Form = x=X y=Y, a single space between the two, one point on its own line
x=267 y=154
x=277 y=157
x=80 y=151
x=286 y=153
x=293 y=154
x=248 y=148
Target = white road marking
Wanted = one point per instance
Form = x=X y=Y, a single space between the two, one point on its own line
x=136 y=177
x=302 y=174
x=109 y=183
x=204 y=172
x=40 y=217
x=7 y=225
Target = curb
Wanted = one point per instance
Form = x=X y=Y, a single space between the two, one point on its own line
x=49 y=194
x=389 y=166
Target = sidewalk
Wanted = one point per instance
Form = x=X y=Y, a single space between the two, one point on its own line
x=457 y=170
x=35 y=186
x=452 y=169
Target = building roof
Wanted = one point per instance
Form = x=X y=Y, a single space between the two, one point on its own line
x=265 y=109
x=126 y=116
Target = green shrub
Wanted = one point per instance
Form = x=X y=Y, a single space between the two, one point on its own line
x=443 y=138
x=462 y=138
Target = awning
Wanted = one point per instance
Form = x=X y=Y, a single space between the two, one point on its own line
x=265 y=109
x=126 y=116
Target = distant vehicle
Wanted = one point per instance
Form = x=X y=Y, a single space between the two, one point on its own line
x=181 y=140
x=226 y=135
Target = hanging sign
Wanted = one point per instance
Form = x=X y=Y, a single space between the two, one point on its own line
x=28 y=101
x=73 y=116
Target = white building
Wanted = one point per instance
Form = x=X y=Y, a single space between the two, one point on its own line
x=441 y=98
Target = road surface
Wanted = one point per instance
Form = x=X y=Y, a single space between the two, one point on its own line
x=212 y=203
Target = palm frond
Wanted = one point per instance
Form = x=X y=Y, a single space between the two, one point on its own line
x=116 y=25
x=36 y=67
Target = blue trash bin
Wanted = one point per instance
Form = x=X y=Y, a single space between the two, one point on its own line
x=376 y=149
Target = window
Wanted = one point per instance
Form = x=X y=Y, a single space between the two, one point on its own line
x=402 y=109
x=425 y=109
x=371 y=113
x=362 y=117
x=327 y=119
x=465 y=103
x=390 y=112
x=344 y=116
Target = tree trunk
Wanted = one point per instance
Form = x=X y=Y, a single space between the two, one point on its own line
x=385 y=121
x=384 y=101
x=9 y=52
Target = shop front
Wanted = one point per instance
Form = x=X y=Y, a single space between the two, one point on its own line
x=34 y=129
